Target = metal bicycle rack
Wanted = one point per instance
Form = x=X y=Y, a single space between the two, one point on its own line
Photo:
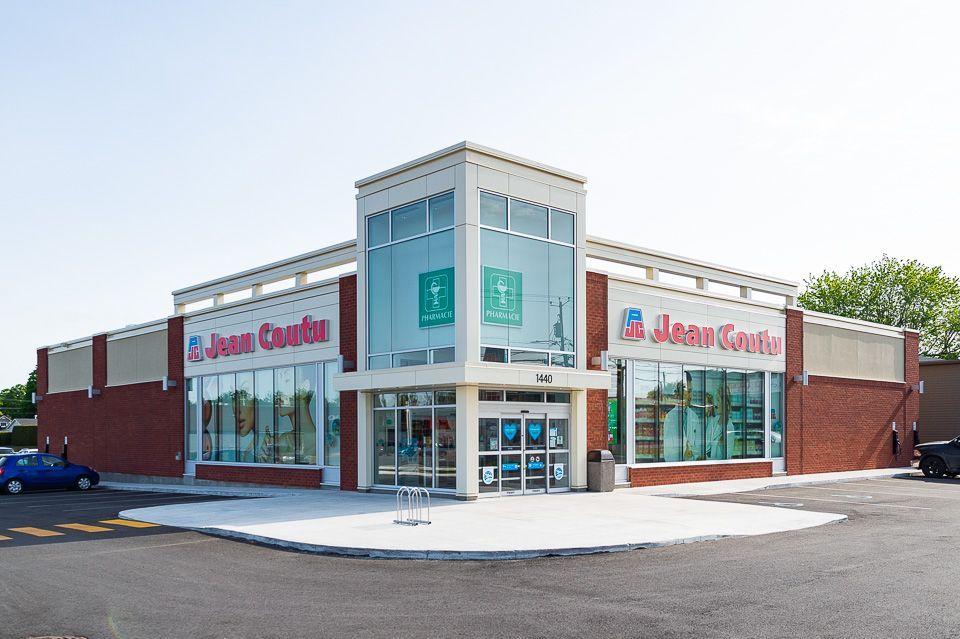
x=414 y=506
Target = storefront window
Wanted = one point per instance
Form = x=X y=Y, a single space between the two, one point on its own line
x=736 y=435
x=410 y=285
x=306 y=426
x=266 y=422
x=193 y=395
x=331 y=412
x=776 y=415
x=246 y=418
x=646 y=428
x=716 y=414
x=226 y=443
x=415 y=438
x=528 y=292
x=670 y=419
x=755 y=418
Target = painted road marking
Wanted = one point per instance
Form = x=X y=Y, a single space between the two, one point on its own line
x=36 y=532
x=2 y=538
x=782 y=504
x=925 y=493
x=84 y=528
x=854 y=496
x=840 y=501
x=128 y=522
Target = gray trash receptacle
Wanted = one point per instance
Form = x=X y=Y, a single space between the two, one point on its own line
x=600 y=471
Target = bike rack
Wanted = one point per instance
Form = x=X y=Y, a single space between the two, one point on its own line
x=414 y=506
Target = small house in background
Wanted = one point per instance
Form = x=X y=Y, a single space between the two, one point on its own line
x=7 y=423
x=940 y=404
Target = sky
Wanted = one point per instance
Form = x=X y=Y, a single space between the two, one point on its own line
x=147 y=146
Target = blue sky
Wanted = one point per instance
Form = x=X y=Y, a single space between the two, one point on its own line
x=148 y=146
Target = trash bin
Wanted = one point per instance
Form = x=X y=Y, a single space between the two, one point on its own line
x=600 y=471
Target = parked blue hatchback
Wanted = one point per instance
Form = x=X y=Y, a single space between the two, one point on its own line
x=40 y=470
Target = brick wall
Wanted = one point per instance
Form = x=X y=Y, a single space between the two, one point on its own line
x=134 y=428
x=348 y=400
x=686 y=473
x=596 y=312
x=838 y=424
x=293 y=477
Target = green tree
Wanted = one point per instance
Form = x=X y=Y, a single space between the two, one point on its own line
x=17 y=401
x=904 y=293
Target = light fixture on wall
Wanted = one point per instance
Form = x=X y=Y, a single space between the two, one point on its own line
x=603 y=361
x=34 y=398
x=802 y=379
x=917 y=387
x=168 y=383
x=92 y=392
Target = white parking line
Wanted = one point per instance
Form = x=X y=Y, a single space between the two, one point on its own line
x=847 y=487
x=838 y=501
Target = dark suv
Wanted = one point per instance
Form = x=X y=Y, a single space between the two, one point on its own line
x=940 y=458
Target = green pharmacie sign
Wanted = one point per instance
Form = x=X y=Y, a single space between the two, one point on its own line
x=502 y=296
x=436 y=298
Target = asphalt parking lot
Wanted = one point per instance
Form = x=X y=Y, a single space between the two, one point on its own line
x=886 y=572
x=58 y=516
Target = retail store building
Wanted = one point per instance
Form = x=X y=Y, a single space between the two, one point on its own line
x=476 y=341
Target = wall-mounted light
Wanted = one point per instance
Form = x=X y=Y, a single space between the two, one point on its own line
x=602 y=361
x=803 y=379
x=917 y=387
x=34 y=398
x=92 y=392
x=168 y=383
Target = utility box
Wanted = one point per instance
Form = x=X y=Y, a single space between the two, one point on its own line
x=600 y=471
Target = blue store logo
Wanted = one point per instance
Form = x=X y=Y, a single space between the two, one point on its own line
x=510 y=431
x=535 y=429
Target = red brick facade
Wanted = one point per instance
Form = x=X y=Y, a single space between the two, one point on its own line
x=685 y=473
x=292 y=477
x=596 y=343
x=134 y=429
x=348 y=400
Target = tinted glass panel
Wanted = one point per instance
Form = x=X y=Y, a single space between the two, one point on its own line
x=409 y=220
x=529 y=357
x=755 y=413
x=445 y=397
x=209 y=416
x=306 y=414
x=693 y=414
x=716 y=414
x=441 y=211
x=414 y=358
x=646 y=426
x=670 y=419
x=246 y=419
x=491 y=395
x=493 y=210
x=443 y=355
x=561 y=226
x=193 y=397
x=776 y=414
x=446 y=439
x=736 y=391
x=266 y=418
x=385 y=442
x=226 y=449
x=529 y=219
x=488 y=354
x=378 y=229
x=285 y=389
x=331 y=412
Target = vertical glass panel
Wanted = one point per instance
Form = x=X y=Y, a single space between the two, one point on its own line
x=489 y=473
x=409 y=220
x=616 y=404
x=331 y=412
x=736 y=391
x=266 y=418
x=493 y=210
x=246 y=419
x=531 y=259
x=489 y=430
x=535 y=432
x=754 y=437
x=210 y=416
x=378 y=361
x=306 y=414
x=227 y=440
x=511 y=472
x=716 y=413
x=441 y=211
x=440 y=256
x=446 y=435
x=558 y=434
x=536 y=468
x=561 y=298
x=693 y=414
x=443 y=355
x=415 y=448
x=379 y=301
x=494 y=252
x=559 y=471
x=566 y=360
x=529 y=219
x=561 y=226
x=193 y=396
x=378 y=230
x=671 y=412
x=776 y=414
x=647 y=445
x=385 y=436
x=284 y=391
x=410 y=259
x=511 y=433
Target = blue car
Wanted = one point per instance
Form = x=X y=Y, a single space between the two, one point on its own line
x=39 y=470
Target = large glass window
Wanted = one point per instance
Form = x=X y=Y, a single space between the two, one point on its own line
x=415 y=439
x=528 y=291
x=410 y=285
x=684 y=412
x=268 y=416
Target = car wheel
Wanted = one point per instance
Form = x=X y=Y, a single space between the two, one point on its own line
x=13 y=487
x=933 y=467
x=83 y=483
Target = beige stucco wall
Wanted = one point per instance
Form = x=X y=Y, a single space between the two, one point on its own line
x=70 y=370
x=848 y=352
x=142 y=358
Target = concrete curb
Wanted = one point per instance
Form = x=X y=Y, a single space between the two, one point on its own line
x=793 y=484
x=211 y=491
x=456 y=555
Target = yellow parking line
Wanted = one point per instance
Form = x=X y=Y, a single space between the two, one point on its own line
x=36 y=532
x=128 y=522
x=84 y=527
x=2 y=538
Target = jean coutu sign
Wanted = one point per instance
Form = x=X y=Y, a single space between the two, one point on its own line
x=726 y=336
x=268 y=337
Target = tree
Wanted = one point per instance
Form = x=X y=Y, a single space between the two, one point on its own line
x=904 y=293
x=17 y=401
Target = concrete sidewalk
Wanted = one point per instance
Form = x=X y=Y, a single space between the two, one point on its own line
x=351 y=524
